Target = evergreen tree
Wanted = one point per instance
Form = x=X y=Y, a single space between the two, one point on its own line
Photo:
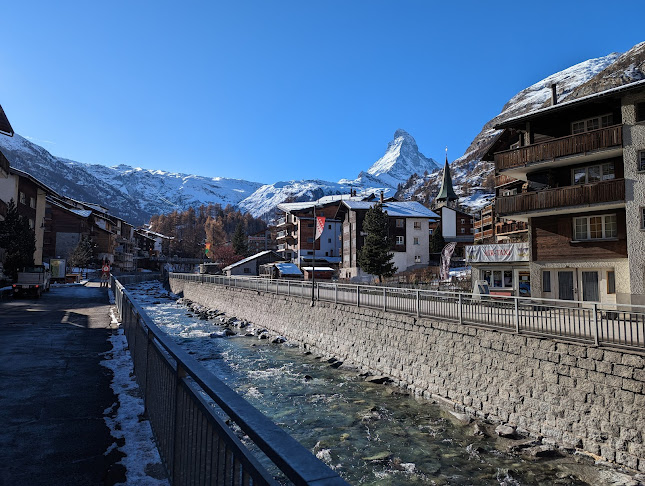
x=437 y=242
x=239 y=240
x=375 y=256
x=18 y=240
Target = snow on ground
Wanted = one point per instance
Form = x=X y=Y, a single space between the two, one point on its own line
x=126 y=423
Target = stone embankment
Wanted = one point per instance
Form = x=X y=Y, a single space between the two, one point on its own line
x=573 y=396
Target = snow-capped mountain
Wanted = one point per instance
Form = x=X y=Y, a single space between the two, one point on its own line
x=135 y=194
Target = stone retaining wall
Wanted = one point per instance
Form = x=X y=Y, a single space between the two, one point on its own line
x=572 y=395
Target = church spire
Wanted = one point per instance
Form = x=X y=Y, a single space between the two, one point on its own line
x=446 y=193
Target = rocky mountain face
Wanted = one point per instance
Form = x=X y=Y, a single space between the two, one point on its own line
x=135 y=194
x=472 y=177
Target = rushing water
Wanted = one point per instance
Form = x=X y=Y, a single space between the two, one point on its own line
x=371 y=434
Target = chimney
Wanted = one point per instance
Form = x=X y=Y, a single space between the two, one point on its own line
x=554 y=94
x=381 y=197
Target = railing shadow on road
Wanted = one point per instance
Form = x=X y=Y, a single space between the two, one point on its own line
x=195 y=443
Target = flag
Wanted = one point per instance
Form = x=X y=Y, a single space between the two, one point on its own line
x=446 y=254
x=208 y=248
x=320 y=226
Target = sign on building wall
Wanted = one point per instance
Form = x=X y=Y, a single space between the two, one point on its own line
x=507 y=252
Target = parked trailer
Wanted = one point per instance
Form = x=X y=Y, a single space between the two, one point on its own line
x=33 y=281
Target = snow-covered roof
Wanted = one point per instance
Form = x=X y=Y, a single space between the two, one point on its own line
x=319 y=269
x=399 y=209
x=565 y=104
x=81 y=212
x=299 y=206
x=288 y=269
x=248 y=259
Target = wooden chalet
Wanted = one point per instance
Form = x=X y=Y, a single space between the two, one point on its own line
x=575 y=173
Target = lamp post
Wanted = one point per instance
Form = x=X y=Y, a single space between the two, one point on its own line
x=313 y=266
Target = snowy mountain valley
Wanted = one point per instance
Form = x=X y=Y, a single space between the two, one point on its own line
x=136 y=194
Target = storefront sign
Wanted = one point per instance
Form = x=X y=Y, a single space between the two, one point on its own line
x=504 y=252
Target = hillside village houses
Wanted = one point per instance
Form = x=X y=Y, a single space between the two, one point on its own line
x=574 y=172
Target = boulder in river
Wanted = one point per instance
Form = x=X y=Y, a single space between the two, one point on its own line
x=506 y=431
x=377 y=379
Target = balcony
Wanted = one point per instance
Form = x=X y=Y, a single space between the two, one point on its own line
x=571 y=199
x=510 y=228
x=285 y=221
x=584 y=147
x=502 y=180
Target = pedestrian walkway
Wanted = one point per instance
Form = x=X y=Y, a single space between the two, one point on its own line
x=54 y=391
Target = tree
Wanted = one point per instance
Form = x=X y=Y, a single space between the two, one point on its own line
x=225 y=255
x=437 y=242
x=239 y=240
x=82 y=254
x=18 y=240
x=375 y=256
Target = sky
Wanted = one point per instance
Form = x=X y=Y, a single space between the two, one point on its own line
x=280 y=90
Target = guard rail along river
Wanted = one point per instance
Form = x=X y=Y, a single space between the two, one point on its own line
x=569 y=373
x=195 y=444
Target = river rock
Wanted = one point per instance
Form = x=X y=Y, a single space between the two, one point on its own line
x=279 y=340
x=308 y=377
x=381 y=456
x=264 y=335
x=377 y=379
x=229 y=332
x=336 y=364
x=540 y=451
x=462 y=418
x=505 y=431
x=479 y=430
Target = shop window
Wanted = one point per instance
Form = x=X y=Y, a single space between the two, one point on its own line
x=499 y=278
x=611 y=282
x=546 y=281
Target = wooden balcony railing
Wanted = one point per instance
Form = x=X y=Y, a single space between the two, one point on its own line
x=560 y=147
x=599 y=192
x=502 y=179
x=505 y=228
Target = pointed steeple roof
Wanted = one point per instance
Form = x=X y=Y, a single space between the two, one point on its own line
x=446 y=193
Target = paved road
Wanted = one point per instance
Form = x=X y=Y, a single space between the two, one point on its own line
x=53 y=391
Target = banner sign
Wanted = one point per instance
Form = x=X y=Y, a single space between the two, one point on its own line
x=320 y=226
x=503 y=252
x=446 y=254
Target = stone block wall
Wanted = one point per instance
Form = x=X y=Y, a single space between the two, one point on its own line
x=572 y=395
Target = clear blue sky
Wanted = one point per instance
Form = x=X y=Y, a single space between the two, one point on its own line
x=274 y=90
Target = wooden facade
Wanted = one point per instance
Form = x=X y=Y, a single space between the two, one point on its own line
x=553 y=240
x=560 y=147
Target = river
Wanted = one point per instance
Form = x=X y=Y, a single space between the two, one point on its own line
x=370 y=434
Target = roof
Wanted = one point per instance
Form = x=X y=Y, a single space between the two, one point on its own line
x=319 y=269
x=82 y=212
x=288 y=269
x=248 y=259
x=21 y=173
x=5 y=126
x=567 y=104
x=299 y=206
x=446 y=193
x=399 y=209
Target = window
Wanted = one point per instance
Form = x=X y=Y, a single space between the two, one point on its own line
x=310 y=239
x=32 y=202
x=328 y=240
x=643 y=218
x=463 y=221
x=594 y=173
x=417 y=225
x=399 y=223
x=499 y=278
x=463 y=230
x=611 y=282
x=640 y=111
x=472 y=230
x=415 y=241
x=400 y=240
x=21 y=198
x=546 y=281
x=247 y=270
x=328 y=226
x=641 y=160
x=595 y=227
x=417 y=258
x=594 y=123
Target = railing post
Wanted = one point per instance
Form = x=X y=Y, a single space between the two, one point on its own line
x=384 y=299
x=595 y=324
x=336 y=294
x=358 y=296
x=418 y=304
x=460 y=310
x=289 y=288
x=517 y=314
x=176 y=449
x=317 y=291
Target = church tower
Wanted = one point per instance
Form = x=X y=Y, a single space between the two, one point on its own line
x=446 y=196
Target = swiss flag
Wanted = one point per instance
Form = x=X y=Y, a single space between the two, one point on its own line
x=320 y=226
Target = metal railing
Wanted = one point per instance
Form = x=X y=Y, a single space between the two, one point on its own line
x=194 y=442
x=588 y=322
